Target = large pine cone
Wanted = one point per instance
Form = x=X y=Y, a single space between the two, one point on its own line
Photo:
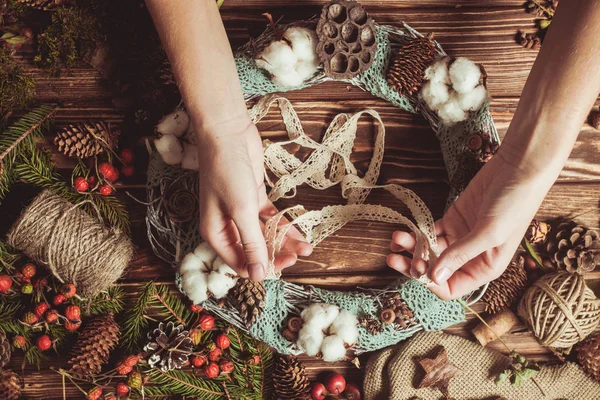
x=588 y=355
x=573 y=247
x=85 y=140
x=160 y=343
x=10 y=385
x=537 y=233
x=289 y=379
x=5 y=350
x=250 y=297
x=45 y=4
x=407 y=71
x=506 y=289
x=94 y=345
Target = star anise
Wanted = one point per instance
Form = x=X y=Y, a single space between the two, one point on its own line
x=438 y=372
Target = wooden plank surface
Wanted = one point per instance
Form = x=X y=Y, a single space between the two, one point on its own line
x=482 y=30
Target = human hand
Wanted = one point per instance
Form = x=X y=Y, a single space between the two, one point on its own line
x=234 y=203
x=481 y=231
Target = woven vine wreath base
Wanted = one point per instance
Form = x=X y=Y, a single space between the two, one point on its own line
x=172 y=236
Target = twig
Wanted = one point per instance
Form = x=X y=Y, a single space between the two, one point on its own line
x=188 y=384
x=164 y=303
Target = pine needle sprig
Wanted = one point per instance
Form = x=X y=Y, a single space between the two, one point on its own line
x=110 y=301
x=8 y=257
x=171 y=307
x=135 y=322
x=183 y=383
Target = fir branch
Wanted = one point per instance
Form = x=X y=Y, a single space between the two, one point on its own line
x=105 y=302
x=8 y=257
x=135 y=321
x=179 y=382
x=176 y=309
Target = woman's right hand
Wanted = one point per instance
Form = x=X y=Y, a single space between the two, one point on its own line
x=234 y=203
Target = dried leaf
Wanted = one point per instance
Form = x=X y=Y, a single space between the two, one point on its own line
x=519 y=371
x=438 y=372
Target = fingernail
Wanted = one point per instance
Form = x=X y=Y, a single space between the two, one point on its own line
x=442 y=275
x=256 y=271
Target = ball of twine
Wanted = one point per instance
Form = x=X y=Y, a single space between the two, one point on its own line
x=560 y=309
x=76 y=247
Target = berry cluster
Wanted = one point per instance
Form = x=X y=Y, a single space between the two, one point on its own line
x=107 y=174
x=335 y=387
x=132 y=380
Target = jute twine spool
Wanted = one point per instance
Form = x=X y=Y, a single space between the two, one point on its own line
x=560 y=309
x=76 y=247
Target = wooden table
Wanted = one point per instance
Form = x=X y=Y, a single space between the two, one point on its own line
x=483 y=30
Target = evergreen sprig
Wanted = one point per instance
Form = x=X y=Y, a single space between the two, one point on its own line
x=135 y=321
x=104 y=302
x=8 y=257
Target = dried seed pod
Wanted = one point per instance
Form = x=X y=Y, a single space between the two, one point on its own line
x=347 y=42
x=387 y=316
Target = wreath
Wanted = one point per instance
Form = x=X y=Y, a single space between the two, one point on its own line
x=395 y=63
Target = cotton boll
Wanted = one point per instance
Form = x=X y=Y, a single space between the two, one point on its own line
x=331 y=313
x=435 y=94
x=277 y=55
x=438 y=71
x=473 y=100
x=205 y=252
x=287 y=78
x=190 y=134
x=345 y=326
x=303 y=42
x=195 y=286
x=175 y=123
x=306 y=69
x=451 y=113
x=310 y=339
x=169 y=148
x=190 y=263
x=190 y=157
x=333 y=348
x=222 y=268
x=219 y=284
x=464 y=75
x=320 y=315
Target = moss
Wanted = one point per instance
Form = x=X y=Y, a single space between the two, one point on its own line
x=16 y=89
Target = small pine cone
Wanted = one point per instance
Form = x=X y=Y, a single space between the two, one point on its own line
x=537 y=232
x=372 y=325
x=573 y=247
x=588 y=355
x=5 y=350
x=250 y=298
x=45 y=4
x=407 y=70
x=529 y=41
x=10 y=385
x=505 y=290
x=289 y=379
x=93 y=346
x=86 y=139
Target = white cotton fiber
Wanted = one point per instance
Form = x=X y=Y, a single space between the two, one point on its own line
x=320 y=315
x=277 y=55
x=221 y=267
x=438 y=71
x=451 y=113
x=331 y=313
x=435 y=94
x=190 y=263
x=333 y=348
x=219 y=284
x=287 y=78
x=205 y=252
x=175 y=123
x=464 y=75
x=345 y=326
x=169 y=148
x=190 y=157
x=310 y=339
x=307 y=69
x=195 y=286
x=473 y=100
x=303 y=42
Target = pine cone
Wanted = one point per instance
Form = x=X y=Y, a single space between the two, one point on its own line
x=5 y=350
x=529 y=40
x=10 y=385
x=506 y=289
x=45 y=4
x=289 y=379
x=537 y=232
x=588 y=355
x=372 y=325
x=573 y=247
x=407 y=71
x=403 y=316
x=164 y=339
x=93 y=346
x=250 y=298
x=86 y=139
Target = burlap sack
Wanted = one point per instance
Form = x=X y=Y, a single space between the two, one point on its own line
x=393 y=374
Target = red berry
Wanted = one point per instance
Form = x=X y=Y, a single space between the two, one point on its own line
x=122 y=389
x=222 y=341
x=318 y=391
x=40 y=309
x=59 y=299
x=196 y=336
x=68 y=290
x=5 y=283
x=19 y=341
x=352 y=392
x=51 y=316
x=40 y=282
x=25 y=279
x=123 y=369
x=226 y=366
x=135 y=380
x=73 y=313
x=27 y=32
x=195 y=308
x=92 y=181
x=108 y=172
x=95 y=393
x=335 y=383
x=131 y=360
x=215 y=354
x=80 y=184
x=28 y=270
x=198 y=361
x=126 y=156
x=105 y=190
x=27 y=288
x=72 y=325
x=127 y=171
x=30 y=318
x=44 y=342
x=255 y=360
x=206 y=322
x=212 y=370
